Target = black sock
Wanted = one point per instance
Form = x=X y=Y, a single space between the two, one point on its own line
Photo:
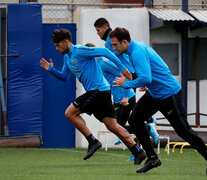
x=91 y=139
x=135 y=149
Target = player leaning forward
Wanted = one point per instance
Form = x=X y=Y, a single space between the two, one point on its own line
x=164 y=94
x=80 y=60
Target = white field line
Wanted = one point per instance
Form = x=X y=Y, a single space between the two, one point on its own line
x=76 y=151
x=112 y=154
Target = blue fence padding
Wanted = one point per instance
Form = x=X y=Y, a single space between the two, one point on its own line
x=25 y=88
x=58 y=132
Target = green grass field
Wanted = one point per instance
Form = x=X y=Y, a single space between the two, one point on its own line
x=67 y=164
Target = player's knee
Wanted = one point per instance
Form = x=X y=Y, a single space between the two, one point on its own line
x=112 y=127
x=109 y=127
x=68 y=114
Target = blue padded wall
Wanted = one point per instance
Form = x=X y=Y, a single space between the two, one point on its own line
x=25 y=88
x=57 y=130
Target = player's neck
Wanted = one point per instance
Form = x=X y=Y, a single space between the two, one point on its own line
x=106 y=34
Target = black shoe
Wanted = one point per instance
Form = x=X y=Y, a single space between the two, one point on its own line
x=92 y=149
x=139 y=157
x=149 y=164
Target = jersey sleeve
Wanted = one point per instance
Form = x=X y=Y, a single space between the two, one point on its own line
x=97 y=52
x=109 y=67
x=61 y=75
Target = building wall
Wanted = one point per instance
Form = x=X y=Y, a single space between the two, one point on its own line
x=166 y=34
x=202 y=33
x=169 y=34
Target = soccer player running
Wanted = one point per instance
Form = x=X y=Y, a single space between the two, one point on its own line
x=124 y=99
x=80 y=60
x=164 y=94
x=103 y=29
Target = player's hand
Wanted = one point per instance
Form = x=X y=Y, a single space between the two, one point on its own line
x=143 y=89
x=125 y=101
x=46 y=64
x=127 y=74
x=119 y=81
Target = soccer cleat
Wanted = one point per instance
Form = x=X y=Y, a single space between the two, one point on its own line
x=149 y=164
x=153 y=131
x=139 y=157
x=92 y=149
x=118 y=141
x=131 y=158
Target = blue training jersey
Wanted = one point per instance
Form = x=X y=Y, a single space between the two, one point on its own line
x=110 y=72
x=152 y=71
x=82 y=63
x=124 y=58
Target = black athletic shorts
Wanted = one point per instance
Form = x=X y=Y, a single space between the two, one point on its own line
x=96 y=102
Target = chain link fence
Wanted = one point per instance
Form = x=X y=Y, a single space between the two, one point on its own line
x=192 y=4
x=67 y=11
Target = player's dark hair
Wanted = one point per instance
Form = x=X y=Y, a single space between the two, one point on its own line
x=90 y=45
x=61 y=34
x=100 y=22
x=121 y=34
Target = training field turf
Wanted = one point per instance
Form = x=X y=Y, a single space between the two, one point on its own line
x=67 y=164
